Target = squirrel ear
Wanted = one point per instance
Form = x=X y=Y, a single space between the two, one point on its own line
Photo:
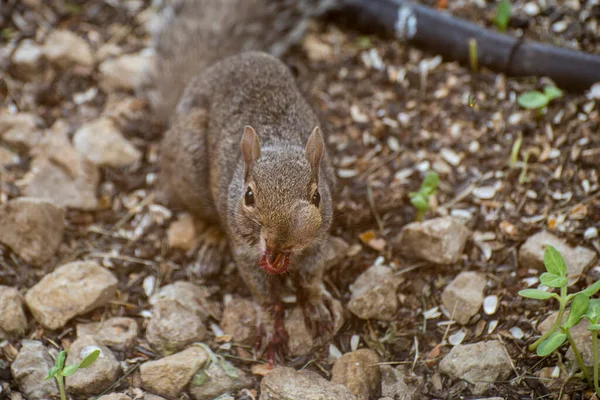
x=314 y=149
x=250 y=148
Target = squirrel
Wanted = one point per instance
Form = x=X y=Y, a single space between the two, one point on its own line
x=244 y=151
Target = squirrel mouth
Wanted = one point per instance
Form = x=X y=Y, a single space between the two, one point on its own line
x=274 y=263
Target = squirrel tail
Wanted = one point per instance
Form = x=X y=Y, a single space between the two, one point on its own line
x=191 y=35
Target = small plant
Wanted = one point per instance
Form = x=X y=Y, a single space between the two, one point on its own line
x=535 y=100
x=420 y=199
x=502 y=15
x=59 y=371
x=581 y=306
x=473 y=56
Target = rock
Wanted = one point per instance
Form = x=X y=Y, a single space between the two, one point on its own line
x=301 y=340
x=466 y=362
x=193 y=297
x=114 y=396
x=8 y=157
x=173 y=326
x=124 y=72
x=532 y=9
x=61 y=174
x=374 y=294
x=335 y=252
x=284 y=383
x=182 y=233
x=104 y=145
x=438 y=240
x=12 y=321
x=27 y=58
x=463 y=297
x=22 y=130
x=98 y=376
x=581 y=336
x=393 y=384
x=72 y=289
x=578 y=259
x=30 y=368
x=211 y=382
x=119 y=333
x=359 y=373
x=240 y=319
x=32 y=228
x=64 y=48
x=169 y=376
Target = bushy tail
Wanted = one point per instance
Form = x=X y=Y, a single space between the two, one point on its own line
x=193 y=34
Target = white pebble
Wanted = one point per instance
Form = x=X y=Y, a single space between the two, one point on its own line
x=517 y=332
x=490 y=304
x=451 y=157
x=560 y=26
x=432 y=313
x=149 y=284
x=530 y=281
x=591 y=233
x=531 y=9
x=334 y=352
x=354 y=342
x=474 y=146
x=347 y=173
x=393 y=144
x=457 y=338
x=358 y=115
x=594 y=92
x=462 y=214
x=492 y=326
x=485 y=192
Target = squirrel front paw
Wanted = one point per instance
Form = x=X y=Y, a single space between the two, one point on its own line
x=273 y=343
x=322 y=313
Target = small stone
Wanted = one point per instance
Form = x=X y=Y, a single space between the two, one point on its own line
x=124 y=72
x=374 y=294
x=240 y=318
x=212 y=382
x=463 y=297
x=285 y=383
x=560 y=26
x=72 y=289
x=532 y=9
x=393 y=384
x=98 y=376
x=334 y=252
x=590 y=233
x=316 y=49
x=301 y=340
x=451 y=157
x=32 y=228
x=64 y=48
x=169 y=376
x=22 y=130
x=192 y=297
x=104 y=145
x=8 y=157
x=173 y=326
x=27 y=58
x=578 y=259
x=114 y=396
x=30 y=368
x=359 y=372
x=438 y=240
x=119 y=333
x=594 y=92
x=465 y=362
x=182 y=233
x=484 y=192
x=490 y=304
x=12 y=321
x=517 y=332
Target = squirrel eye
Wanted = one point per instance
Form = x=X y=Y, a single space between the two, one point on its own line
x=249 y=197
x=316 y=198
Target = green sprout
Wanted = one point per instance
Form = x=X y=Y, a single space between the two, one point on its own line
x=420 y=199
x=580 y=306
x=473 y=57
x=535 y=100
x=59 y=371
x=502 y=15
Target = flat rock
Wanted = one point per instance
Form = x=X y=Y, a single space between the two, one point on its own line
x=30 y=368
x=182 y=233
x=463 y=297
x=61 y=174
x=65 y=48
x=393 y=384
x=301 y=340
x=114 y=396
x=89 y=286
x=439 y=240
x=119 y=333
x=12 y=321
x=578 y=259
x=32 y=228
x=240 y=319
x=22 y=130
x=581 y=336
x=284 y=383
x=192 y=297
x=98 y=376
x=211 y=382
x=359 y=373
x=173 y=326
x=170 y=375
x=374 y=294
x=104 y=145
x=27 y=58
x=124 y=72
x=466 y=362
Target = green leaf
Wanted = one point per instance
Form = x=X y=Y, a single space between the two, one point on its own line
x=60 y=360
x=579 y=306
x=70 y=370
x=590 y=291
x=535 y=294
x=554 y=261
x=89 y=359
x=593 y=312
x=430 y=183
x=553 y=342
x=593 y=327
x=502 y=15
x=552 y=280
x=552 y=92
x=532 y=100
x=51 y=373
x=420 y=203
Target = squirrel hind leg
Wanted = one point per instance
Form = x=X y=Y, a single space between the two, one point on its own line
x=211 y=252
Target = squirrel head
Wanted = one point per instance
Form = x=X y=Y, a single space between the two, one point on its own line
x=284 y=206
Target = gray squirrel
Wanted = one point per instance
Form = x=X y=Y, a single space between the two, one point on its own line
x=244 y=151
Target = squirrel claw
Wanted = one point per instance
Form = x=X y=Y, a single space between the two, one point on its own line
x=319 y=315
x=275 y=347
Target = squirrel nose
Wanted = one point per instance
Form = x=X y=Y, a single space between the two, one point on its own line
x=276 y=243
